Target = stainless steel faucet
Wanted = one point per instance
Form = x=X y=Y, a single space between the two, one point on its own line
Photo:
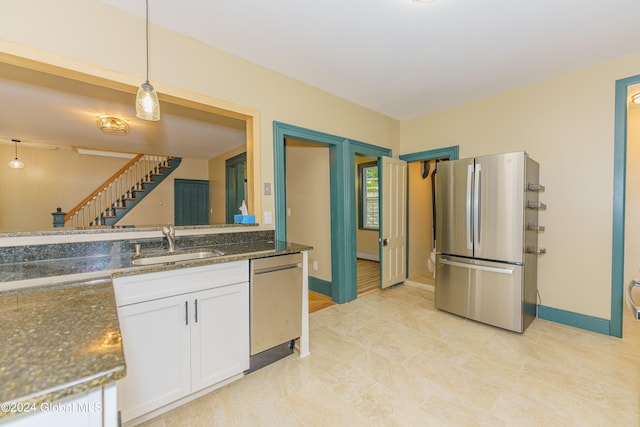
x=170 y=233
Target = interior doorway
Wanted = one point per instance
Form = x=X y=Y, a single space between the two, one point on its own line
x=632 y=205
x=367 y=225
x=618 y=279
x=342 y=153
x=421 y=222
x=308 y=207
x=235 y=185
x=421 y=213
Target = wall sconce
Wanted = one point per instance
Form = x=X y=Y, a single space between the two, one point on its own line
x=636 y=98
x=15 y=163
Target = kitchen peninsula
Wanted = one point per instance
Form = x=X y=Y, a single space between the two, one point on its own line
x=62 y=333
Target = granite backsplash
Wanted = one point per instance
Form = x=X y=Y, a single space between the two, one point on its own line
x=31 y=253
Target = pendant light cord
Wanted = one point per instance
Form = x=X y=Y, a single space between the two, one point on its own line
x=147 y=36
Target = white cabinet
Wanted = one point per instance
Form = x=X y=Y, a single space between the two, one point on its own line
x=156 y=343
x=182 y=331
x=219 y=335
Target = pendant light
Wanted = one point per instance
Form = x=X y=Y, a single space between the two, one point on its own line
x=147 y=104
x=15 y=163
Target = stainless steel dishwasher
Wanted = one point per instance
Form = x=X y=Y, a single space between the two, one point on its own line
x=276 y=307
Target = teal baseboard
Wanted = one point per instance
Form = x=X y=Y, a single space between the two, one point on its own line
x=320 y=286
x=582 y=321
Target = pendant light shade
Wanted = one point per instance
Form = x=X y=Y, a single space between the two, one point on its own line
x=15 y=163
x=147 y=104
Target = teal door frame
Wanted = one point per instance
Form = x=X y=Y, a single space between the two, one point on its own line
x=342 y=152
x=234 y=185
x=619 y=195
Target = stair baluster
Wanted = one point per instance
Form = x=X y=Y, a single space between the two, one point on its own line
x=110 y=201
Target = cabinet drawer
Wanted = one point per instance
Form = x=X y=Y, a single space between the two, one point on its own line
x=150 y=286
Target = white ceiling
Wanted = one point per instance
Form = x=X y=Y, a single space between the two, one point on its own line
x=403 y=58
x=393 y=56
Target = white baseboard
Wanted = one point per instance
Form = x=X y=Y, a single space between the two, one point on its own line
x=369 y=256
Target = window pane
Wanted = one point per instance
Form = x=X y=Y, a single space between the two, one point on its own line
x=370 y=197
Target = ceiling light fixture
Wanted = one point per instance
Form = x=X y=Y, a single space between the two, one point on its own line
x=113 y=125
x=636 y=98
x=147 y=104
x=15 y=163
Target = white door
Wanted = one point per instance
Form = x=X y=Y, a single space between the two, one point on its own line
x=156 y=343
x=393 y=223
x=219 y=334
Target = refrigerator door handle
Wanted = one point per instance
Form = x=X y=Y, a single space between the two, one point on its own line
x=477 y=267
x=469 y=226
x=477 y=199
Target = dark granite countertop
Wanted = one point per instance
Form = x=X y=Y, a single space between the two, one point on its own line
x=53 y=342
x=16 y=275
x=55 y=314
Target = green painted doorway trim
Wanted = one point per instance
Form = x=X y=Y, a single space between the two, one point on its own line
x=342 y=188
x=451 y=153
x=619 y=194
x=235 y=184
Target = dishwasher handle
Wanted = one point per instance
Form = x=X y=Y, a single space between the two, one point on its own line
x=273 y=269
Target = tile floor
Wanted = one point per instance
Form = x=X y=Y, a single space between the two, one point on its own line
x=391 y=358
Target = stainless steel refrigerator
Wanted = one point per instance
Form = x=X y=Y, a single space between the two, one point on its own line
x=487 y=239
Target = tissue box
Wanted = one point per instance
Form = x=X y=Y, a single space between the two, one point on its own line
x=244 y=219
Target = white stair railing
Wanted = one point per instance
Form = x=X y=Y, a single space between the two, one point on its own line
x=113 y=194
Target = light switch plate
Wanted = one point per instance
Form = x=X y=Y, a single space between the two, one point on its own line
x=268 y=219
x=267 y=188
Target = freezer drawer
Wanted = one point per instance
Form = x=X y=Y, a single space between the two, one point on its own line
x=487 y=292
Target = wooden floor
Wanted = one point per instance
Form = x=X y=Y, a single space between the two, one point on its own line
x=368 y=282
x=318 y=301
x=368 y=276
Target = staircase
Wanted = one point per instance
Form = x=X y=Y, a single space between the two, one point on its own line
x=112 y=200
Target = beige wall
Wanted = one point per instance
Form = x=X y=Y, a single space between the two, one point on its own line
x=158 y=207
x=309 y=200
x=113 y=47
x=420 y=219
x=567 y=125
x=62 y=178
x=49 y=179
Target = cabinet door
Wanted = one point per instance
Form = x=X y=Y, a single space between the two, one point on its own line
x=219 y=334
x=156 y=349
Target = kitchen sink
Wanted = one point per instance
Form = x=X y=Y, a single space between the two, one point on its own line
x=176 y=257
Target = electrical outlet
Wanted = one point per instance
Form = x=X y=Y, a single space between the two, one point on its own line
x=268 y=219
x=288 y=211
x=314 y=265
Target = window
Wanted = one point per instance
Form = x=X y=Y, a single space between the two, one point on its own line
x=368 y=196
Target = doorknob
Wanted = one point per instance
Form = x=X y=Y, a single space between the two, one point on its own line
x=385 y=242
